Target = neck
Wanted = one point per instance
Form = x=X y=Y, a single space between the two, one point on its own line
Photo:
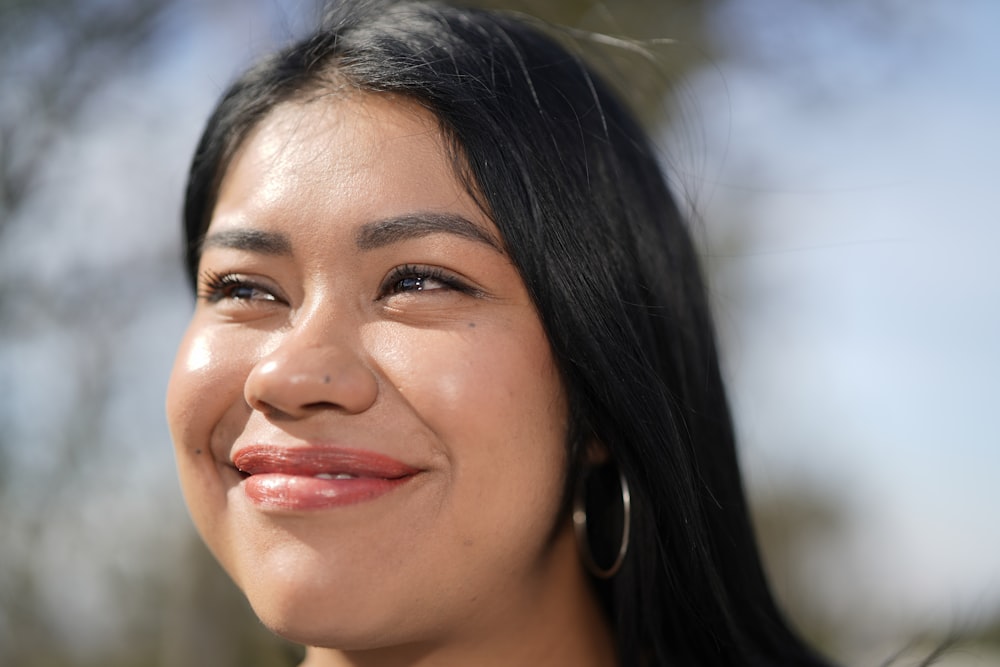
x=559 y=624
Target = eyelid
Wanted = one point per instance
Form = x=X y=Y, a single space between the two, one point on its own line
x=213 y=284
x=450 y=279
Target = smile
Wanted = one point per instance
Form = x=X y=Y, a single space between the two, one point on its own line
x=313 y=478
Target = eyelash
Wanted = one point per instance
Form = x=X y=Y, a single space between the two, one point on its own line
x=214 y=287
x=392 y=282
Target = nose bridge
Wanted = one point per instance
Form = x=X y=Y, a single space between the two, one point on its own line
x=316 y=363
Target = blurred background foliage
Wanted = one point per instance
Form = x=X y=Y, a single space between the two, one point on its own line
x=98 y=563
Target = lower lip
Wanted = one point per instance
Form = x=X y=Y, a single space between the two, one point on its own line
x=279 y=491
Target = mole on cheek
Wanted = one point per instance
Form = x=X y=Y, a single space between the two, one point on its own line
x=472 y=325
x=197 y=452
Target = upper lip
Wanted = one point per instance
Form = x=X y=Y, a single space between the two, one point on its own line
x=315 y=460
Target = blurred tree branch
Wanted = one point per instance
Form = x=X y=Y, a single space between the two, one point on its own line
x=54 y=57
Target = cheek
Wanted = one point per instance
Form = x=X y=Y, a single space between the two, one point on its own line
x=207 y=379
x=492 y=379
x=204 y=401
x=493 y=397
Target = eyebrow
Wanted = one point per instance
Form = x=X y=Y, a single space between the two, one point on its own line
x=380 y=233
x=371 y=235
x=252 y=240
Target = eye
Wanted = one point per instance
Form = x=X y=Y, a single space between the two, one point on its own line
x=214 y=287
x=413 y=278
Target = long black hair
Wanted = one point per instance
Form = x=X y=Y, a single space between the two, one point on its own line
x=573 y=185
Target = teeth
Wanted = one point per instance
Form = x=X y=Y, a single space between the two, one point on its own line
x=340 y=475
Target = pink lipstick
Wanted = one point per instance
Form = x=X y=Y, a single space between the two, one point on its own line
x=310 y=478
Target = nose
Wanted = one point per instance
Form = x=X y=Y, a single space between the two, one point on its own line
x=300 y=378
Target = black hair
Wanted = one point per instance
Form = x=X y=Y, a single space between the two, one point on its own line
x=572 y=183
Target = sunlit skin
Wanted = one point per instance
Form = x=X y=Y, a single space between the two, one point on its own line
x=353 y=296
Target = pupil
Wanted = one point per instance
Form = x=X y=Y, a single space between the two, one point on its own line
x=412 y=283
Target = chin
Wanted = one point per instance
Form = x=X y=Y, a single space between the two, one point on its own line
x=300 y=616
x=302 y=602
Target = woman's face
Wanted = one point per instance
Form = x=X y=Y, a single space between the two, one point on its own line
x=369 y=426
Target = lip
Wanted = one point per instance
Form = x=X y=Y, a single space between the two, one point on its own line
x=313 y=478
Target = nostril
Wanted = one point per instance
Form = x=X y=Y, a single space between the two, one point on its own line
x=269 y=410
x=320 y=405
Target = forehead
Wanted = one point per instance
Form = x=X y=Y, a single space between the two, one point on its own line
x=358 y=125
x=360 y=156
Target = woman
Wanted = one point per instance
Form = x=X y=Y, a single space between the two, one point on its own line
x=450 y=395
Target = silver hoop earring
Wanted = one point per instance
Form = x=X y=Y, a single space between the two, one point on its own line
x=580 y=528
